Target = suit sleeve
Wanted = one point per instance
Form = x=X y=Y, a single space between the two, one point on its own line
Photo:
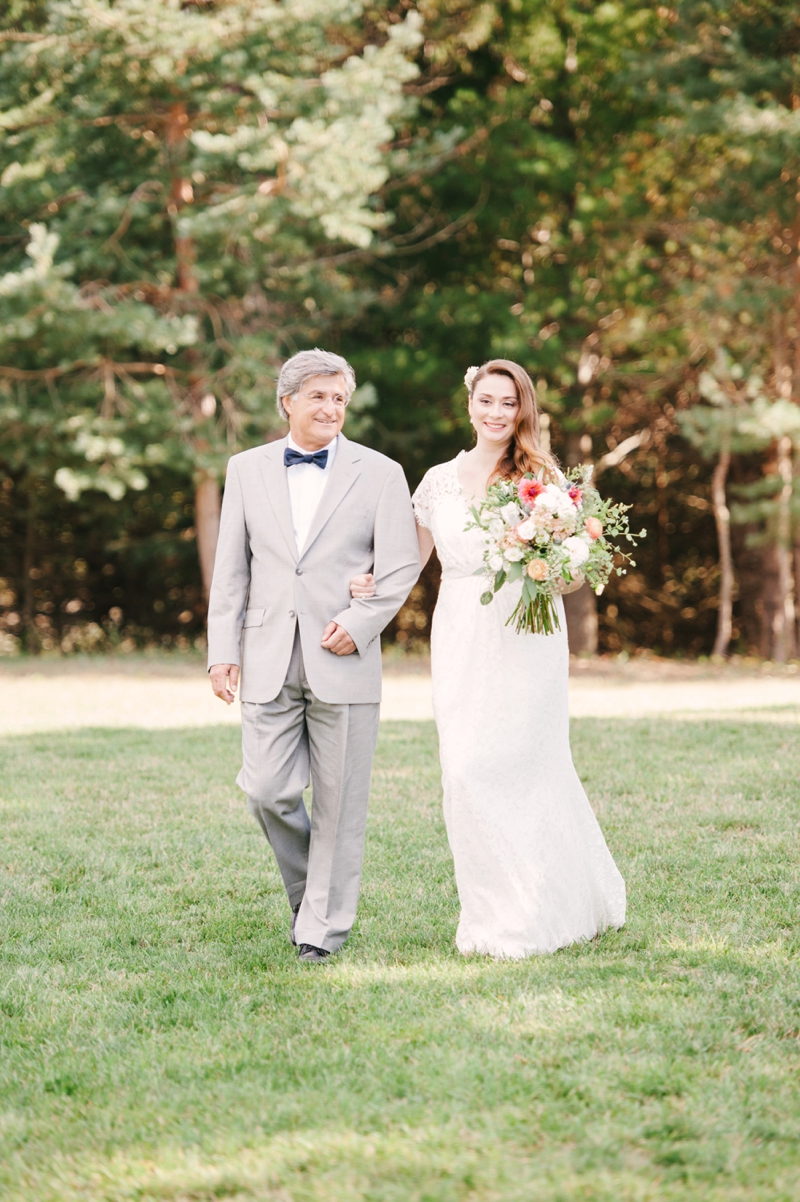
x=396 y=566
x=230 y=583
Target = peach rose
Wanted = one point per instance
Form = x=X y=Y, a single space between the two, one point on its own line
x=594 y=527
x=537 y=569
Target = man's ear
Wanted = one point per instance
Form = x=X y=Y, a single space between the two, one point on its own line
x=286 y=401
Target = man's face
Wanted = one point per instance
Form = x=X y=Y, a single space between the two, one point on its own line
x=316 y=415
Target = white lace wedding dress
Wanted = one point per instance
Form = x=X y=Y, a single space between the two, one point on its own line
x=532 y=867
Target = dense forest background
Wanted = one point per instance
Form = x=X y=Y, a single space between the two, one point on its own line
x=607 y=193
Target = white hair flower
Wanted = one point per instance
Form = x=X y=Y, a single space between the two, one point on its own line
x=469 y=378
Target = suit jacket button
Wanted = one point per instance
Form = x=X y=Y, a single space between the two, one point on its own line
x=291 y=613
x=298 y=571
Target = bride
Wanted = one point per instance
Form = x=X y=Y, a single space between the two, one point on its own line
x=532 y=867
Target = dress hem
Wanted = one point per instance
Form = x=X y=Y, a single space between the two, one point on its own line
x=525 y=952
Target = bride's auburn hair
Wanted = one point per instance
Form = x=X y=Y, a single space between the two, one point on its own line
x=524 y=453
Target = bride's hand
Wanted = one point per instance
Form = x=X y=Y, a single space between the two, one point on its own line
x=563 y=588
x=363 y=586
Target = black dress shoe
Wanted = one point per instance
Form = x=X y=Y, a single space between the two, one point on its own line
x=311 y=955
x=295 y=911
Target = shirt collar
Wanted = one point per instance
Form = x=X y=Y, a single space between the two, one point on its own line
x=330 y=447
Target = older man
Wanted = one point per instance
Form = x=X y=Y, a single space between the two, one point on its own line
x=300 y=518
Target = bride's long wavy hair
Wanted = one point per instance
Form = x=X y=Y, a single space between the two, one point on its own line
x=524 y=453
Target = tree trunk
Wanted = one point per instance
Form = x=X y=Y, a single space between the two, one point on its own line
x=796 y=579
x=207 y=496
x=580 y=607
x=783 y=627
x=581 y=611
x=723 y=519
x=206 y=520
x=32 y=644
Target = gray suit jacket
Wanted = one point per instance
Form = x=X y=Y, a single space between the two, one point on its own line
x=263 y=589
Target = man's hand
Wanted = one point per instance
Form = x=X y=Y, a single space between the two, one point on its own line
x=224 y=680
x=336 y=639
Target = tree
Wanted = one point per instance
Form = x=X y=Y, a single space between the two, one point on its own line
x=197 y=168
x=519 y=243
x=716 y=433
x=725 y=178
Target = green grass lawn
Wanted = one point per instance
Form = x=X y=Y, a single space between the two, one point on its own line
x=159 y=1039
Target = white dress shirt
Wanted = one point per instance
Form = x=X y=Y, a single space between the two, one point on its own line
x=306 y=486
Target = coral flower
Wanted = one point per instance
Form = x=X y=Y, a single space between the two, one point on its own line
x=537 y=569
x=528 y=491
x=594 y=527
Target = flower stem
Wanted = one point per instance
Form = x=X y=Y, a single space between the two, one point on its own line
x=539 y=616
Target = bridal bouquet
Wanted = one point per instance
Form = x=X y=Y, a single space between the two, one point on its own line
x=549 y=535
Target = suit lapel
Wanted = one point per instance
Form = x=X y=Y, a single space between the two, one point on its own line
x=273 y=473
x=343 y=474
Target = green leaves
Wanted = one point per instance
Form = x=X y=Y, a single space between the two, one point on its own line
x=180 y=170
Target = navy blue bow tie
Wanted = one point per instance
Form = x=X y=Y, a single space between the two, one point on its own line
x=291 y=457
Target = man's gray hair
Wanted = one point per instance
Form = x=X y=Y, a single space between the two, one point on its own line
x=302 y=366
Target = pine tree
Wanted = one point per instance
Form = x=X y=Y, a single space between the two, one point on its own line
x=177 y=182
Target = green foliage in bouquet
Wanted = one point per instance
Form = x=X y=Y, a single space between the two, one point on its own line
x=550 y=536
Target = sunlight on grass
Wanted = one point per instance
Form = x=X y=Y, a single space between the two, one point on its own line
x=160 y=1040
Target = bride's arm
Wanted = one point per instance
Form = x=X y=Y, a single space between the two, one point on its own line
x=425 y=540
x=364 y=585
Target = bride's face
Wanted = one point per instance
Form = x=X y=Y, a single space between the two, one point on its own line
x=493 y=410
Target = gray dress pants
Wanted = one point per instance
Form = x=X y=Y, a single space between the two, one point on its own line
x=285 y=743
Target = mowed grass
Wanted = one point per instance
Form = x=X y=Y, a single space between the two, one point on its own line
x=160 y=1040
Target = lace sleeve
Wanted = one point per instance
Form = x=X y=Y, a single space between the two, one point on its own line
x=440 y=482
x=422 y=501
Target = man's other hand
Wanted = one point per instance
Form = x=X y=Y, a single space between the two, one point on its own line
x=336 y=639
x=224 y=681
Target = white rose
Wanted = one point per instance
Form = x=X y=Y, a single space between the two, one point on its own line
x=511 y=514
x=546 y=501
x=497 y=528
x=514 y=554
x=577 y=550
x=495 y=562
x=526 y=530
